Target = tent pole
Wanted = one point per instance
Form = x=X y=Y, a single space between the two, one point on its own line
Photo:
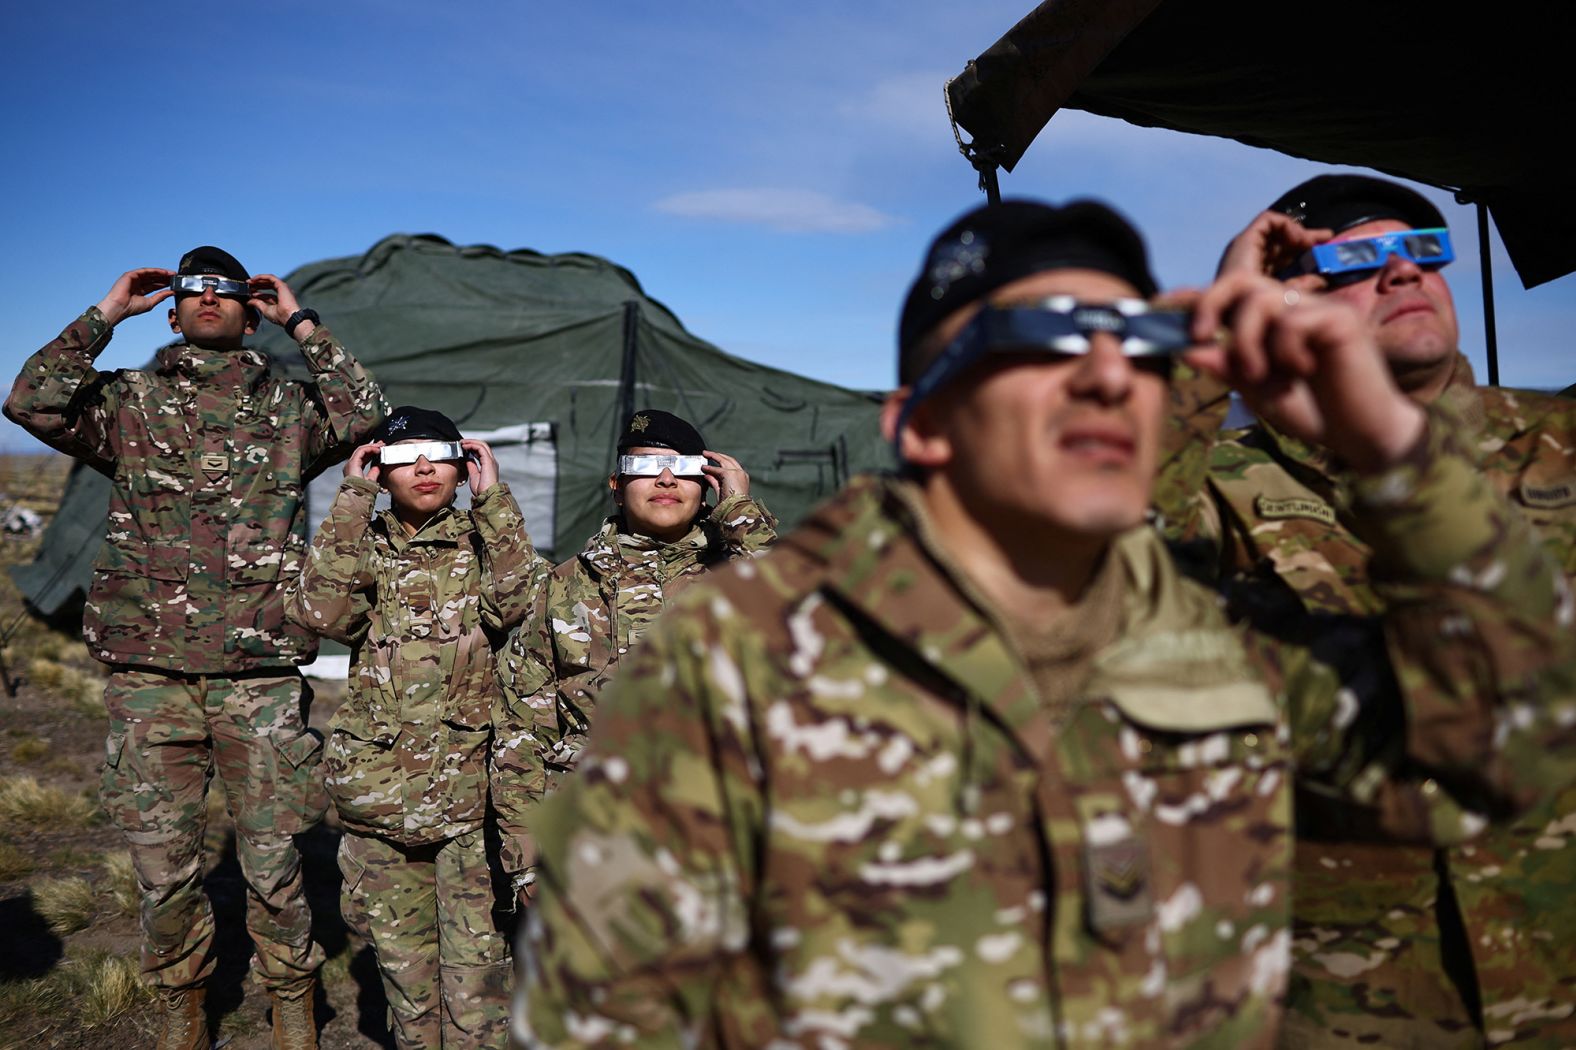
x=626 y=370
x=1488 y=295
x=989 y=184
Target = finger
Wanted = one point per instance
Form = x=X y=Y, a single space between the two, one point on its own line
x=721 y=457
x=158 y=297
x=1211 y=359
x=1287 y=345
x=1249 y=319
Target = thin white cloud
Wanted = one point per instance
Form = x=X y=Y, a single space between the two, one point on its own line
x=909 y=104
x=787 y=210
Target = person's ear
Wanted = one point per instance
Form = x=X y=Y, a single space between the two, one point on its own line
x=175 y=325
x=612 y=484
x=921 y=444
x=253 y=319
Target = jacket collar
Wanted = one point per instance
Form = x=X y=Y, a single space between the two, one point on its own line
x=608 y=553
x=447 y=528
x=243 y=368
x=881 y=560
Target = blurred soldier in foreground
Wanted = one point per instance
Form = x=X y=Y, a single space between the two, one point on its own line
x=1396 y=945
x=209 y=452
x=964 y=761
x=425 y=596
x=662 y=538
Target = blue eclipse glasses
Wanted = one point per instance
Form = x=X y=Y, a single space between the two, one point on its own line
x=1428 y=248
x=1058 y=326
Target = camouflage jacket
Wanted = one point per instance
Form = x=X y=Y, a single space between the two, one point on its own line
x=424 y=615
x=1371 y=955
x=591 y=612
x=209 y=453
x=823 y=805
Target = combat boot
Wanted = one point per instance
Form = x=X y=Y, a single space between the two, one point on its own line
x=295 y=1028
x=185 y=1023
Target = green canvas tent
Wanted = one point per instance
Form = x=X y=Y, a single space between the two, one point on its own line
x=544 y=356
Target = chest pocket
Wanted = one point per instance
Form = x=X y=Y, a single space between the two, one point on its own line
x=1176 y=806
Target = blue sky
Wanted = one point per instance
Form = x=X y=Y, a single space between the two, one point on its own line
x=770 y=172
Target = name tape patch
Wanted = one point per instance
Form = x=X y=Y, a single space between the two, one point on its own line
x=1555 y=494
x=1294 y=507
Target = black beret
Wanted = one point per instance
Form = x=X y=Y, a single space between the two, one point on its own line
x=1339 y=202
x=996 y=244
x=217 y=261
x=409 y=422
x=653 y=428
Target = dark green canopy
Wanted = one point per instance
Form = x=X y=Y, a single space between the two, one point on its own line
x=544 y=356
x=1466 y=98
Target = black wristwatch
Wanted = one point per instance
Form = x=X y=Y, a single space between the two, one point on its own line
x=295 y=319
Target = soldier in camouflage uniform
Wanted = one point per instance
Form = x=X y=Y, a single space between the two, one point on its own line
x=599 y=602
x=425 y=595
x=964 y=761
x=209 y=452
x=1397 y=945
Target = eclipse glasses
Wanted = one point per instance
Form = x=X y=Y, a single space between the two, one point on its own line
x=1335 y=258
x=435 y=451
x=224 y=287
x=651 y=466
x=1058 y=326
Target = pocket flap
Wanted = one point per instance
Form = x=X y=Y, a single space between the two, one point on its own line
x=1192 y=681
x=1171 y=709
x=300 y=750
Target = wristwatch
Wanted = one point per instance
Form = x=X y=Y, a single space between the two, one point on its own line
x=295 y=319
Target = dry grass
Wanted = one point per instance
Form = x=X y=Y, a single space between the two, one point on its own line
x=66 y=904
x=82 y=690
x=122 y=883
x=24 y=801
x=91 y=990
x=29 y=749
x=14 y=864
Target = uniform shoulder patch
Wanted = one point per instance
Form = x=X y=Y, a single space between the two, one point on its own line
x=1274 y=509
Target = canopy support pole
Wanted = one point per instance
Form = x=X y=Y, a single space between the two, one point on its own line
x=1491 y=338
x=989 y=184
x=981 y=160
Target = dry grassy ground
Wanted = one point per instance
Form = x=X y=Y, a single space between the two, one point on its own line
x=68 y=966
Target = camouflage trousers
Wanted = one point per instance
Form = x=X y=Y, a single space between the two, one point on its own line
x=434 y=916
x=169 y=734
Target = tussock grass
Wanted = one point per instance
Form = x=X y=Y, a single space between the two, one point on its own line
x=121 y=877
x=29 y=749
x=14 y=864
x=82 y=690
x=72 y=857
x=91 y=990
x=23 y=800
x=67 y=904
x=337 y=969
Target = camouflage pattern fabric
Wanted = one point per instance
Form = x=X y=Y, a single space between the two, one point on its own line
x=823 y=805
x=424 y=615
x=168 y=735
x=1402 y=945
x=431 y=914
x=593 y=609
x=208 y=452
